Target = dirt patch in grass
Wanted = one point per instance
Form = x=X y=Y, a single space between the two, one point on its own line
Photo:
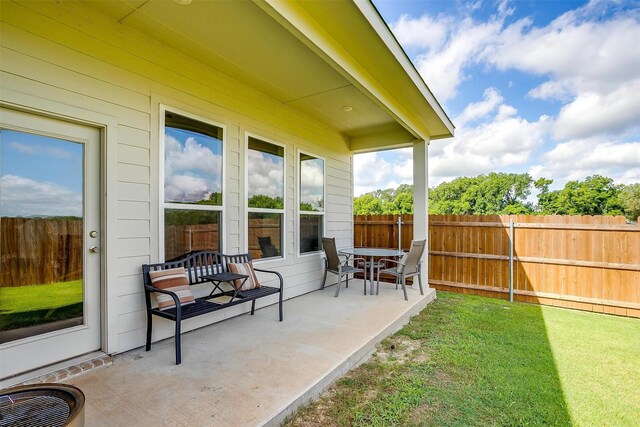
x=400 y=349
x=422 y=414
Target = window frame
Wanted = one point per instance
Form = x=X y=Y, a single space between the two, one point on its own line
x=298 y=199
x=162 y=205
x=283 y=211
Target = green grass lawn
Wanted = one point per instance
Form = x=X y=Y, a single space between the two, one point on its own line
x=31 y=305
x=473 y=361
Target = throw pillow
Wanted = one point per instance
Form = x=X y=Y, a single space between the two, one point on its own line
x=174 y=280
x=245 y=268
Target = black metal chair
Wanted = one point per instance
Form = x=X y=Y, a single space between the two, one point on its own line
x=334 y=265
x=267 y=248
x=409 y=266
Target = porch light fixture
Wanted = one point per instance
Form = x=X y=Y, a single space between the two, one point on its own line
x=183 y=2
x=347 y=108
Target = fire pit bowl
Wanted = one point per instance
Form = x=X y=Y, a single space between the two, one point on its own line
x=42 y=405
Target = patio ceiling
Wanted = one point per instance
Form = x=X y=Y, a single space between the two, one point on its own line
x=316 y=57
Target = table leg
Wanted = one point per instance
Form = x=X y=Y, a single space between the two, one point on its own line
x=371 y=275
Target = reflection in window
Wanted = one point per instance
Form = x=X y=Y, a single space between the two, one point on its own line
x=311 y=183
x=265 y=234
x=311 y=203
x=41 y=229
x=310 y=233
x=192 y=185
x=265 y=176
x=192 y=161
x=187 y=230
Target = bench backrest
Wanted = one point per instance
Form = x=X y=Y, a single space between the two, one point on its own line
x=197 y=264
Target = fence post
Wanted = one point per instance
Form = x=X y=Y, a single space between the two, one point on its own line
x=511 y=239
x=399 y=233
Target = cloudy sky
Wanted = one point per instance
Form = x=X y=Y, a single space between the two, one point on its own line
x=192 y=166
x=41 y=176
x=551 y=88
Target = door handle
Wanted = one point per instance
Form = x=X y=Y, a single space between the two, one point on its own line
x=93 y=249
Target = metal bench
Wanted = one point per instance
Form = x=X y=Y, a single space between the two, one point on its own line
x=204 y=267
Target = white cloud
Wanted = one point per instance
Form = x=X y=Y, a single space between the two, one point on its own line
x=265 y=174
x=585 y=55
x=26 y=197
x=594 y=113
x=629 y=176
x=21 y=148
x=51 y=151
x=192 y=171
x=502 y=140
x=371 y=171
x=576 y=159
x=592 y=64
x=374 y=172
x=424 y=32
x=403 y=170
x=443 y=67
x=588 y=61
x=480 y=109
x=312 y=181
x=186 y=188
x=552 y=90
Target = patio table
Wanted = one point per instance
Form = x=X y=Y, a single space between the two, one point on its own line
x=226 y=277
x=371 y=253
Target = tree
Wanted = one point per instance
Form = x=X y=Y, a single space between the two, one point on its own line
x=507 y=193
x=496 y=193
x=367 y=204
x=385 y=202
x=455 y=197
x=265 y=202
x=214 y=199
x=630 y=200
x=403 y=203
x=596 y=195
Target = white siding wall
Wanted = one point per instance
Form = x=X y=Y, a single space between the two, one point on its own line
x=66 y=60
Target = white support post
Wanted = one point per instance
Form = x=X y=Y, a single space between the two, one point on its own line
x=420 y=201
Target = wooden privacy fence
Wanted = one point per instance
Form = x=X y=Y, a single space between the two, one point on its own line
x=182 y=239
x=583 y=262
x=40 y=251
x=383 y=231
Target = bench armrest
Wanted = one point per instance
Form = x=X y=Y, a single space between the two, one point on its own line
x=272 y=272
x=149 y=288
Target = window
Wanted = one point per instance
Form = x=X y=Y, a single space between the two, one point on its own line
x=311 y=177
x=192 y=193
x=265 y=194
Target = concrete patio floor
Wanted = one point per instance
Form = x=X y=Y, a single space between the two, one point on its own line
x=248 y=370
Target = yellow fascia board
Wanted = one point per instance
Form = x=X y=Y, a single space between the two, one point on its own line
x=293 y=16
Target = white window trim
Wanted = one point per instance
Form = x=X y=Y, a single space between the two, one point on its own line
x=301 y=212
x=283 y=236
x=161 y=203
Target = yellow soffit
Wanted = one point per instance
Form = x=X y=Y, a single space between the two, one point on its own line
x=413 y=109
